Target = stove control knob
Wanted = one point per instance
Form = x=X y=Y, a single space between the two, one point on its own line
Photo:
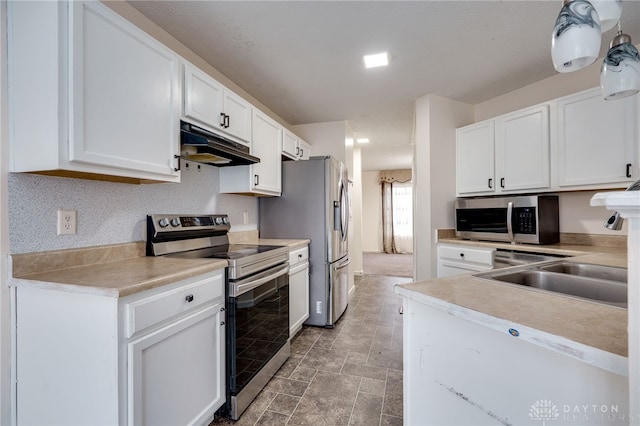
x=218 y=221
x=164 y=222
x=225 y=220
x=175 y=222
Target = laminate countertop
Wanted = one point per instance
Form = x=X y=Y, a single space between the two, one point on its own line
x=116 y=270
x=592 y=332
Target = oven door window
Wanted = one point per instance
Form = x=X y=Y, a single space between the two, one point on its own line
x=258 y=327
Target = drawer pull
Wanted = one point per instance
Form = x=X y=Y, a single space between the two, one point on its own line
x=189 y=298
x=461 y=254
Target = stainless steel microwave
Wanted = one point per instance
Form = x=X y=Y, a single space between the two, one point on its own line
x=532 y=219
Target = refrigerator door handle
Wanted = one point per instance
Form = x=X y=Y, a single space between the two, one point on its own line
x=342 y=265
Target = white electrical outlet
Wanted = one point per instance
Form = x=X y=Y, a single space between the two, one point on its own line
x=67 y=224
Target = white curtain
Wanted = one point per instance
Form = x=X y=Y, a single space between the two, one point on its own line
x=402 y=217
x=397 y=211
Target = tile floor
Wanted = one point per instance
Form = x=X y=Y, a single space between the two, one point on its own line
x=348 y=375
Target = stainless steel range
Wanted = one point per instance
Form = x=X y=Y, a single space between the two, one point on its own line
x=257 y=297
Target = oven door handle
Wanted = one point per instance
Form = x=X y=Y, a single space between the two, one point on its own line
x=241 y=287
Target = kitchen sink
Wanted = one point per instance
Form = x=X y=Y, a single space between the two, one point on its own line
x=597 y=283
x=609 y=273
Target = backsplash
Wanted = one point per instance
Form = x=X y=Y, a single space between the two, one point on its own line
x=112 y=213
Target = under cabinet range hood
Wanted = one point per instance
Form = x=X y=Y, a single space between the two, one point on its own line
x=203 y=146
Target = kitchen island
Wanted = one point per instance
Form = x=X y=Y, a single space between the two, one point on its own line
x=481 y=352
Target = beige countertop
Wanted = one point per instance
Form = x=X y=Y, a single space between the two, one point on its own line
x=589 y=331
x=559 y=248
x=115 y=270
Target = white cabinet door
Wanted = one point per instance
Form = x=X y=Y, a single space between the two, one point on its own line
x=203 y=97
x=177 y=374
x=475 y=159
x=238 y=116
x=290 y=145
x=305 y=150
x=125 y=94
x=298 y=289
x=265 y=177
x=210 y=103
x=522 y=150
x=596 y=140
x=266 y=145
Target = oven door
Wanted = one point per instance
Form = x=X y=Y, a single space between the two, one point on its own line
x=257 y=330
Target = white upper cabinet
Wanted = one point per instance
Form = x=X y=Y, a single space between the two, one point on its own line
x=210 y=103
x=597 y=140
x=265 y=177
x=290 y=145
x=577 y=142
x=304 y=149
x=475 y=159
x=295 y=148
x=522 y=150
x=104 y=102
x=506 y=154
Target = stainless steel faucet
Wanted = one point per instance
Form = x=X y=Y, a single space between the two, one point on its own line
x=615 y=221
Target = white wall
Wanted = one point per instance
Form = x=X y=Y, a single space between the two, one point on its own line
x=356 y=231
x=434 y=175
x=111 y=213
x=371 y=212
x=326 y=138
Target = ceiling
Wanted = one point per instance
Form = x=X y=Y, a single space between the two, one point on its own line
x=303 y=59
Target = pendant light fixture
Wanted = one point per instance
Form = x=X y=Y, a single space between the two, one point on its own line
x=609 y=12
x=576 y=38
x=620 y=72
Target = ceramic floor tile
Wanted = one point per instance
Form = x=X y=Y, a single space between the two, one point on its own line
x=284 y=404
x=324 y=359
x=287 y=386
x=364 y=371
x=372 y=386
x=393 y=394
x=270 y=418
x=367 y=410
x=329 y=400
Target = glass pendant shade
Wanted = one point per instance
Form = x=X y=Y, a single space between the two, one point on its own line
x=620 y=72
x=576 y=36
x=609 y=12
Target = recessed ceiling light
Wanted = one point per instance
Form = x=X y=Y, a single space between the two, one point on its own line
x=363 y=140
x=376 y=60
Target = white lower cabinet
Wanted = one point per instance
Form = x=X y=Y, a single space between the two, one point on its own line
x=155 y=357
x=457 y=259
x=298 y=289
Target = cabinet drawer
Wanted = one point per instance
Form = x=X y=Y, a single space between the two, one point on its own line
x=155 y=309
x=298 y=256
x=466 y=254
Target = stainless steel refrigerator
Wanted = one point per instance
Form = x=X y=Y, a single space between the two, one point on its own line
x=315 y=205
